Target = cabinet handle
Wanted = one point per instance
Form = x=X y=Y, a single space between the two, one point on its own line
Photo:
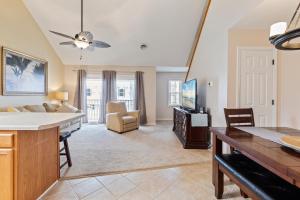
x=4 y=152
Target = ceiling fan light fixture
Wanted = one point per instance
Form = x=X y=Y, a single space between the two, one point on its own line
x=81 y=44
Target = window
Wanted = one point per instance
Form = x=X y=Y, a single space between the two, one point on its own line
x=126 y=89
x=174 y=95
x=121 y=92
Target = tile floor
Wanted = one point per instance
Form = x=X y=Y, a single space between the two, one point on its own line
x=191 y=182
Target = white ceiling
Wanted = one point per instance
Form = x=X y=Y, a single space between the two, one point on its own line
x=267 y=13
x=168 y=28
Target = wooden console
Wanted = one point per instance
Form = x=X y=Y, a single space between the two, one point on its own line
x=191 y=137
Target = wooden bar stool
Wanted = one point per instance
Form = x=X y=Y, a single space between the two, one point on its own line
x=65 y=151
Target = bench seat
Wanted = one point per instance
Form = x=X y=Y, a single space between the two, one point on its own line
x=263 y=183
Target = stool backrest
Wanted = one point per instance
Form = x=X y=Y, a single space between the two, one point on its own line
x=239 y=117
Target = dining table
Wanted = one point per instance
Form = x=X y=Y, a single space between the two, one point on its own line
x=262 y=145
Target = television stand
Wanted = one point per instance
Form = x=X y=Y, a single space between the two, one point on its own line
x=192 y=129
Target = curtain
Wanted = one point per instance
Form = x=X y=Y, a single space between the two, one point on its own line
x=80 y=100
x=140 y=97
x=109 y=92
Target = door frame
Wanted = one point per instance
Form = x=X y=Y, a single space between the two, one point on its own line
x=238 y=77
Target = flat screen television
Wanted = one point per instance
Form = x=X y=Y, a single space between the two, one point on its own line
x=189 y=95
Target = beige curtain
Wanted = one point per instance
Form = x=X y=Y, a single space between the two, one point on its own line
x=109 y=92
x=140 y=97
x=80 y=100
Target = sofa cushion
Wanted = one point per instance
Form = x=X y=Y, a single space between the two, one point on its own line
x=35 y=108
x=51 y=107
x=67 y=108
x=128 y=119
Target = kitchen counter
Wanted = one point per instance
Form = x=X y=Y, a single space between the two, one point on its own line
x=30 y=153
x=34 y=121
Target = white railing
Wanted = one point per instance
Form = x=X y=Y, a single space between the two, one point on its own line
x=94 y=106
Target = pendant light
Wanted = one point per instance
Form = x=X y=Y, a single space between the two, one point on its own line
x=286 y=37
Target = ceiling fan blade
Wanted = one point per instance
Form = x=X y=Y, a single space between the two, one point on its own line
x=63 y=35
x=68 y=43
x=100 y=44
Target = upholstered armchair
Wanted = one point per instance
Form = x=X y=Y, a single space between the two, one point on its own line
x=119 y=120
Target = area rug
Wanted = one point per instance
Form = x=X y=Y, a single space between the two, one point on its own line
x=97 y=151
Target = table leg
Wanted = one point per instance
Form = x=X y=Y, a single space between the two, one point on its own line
x=217 y=175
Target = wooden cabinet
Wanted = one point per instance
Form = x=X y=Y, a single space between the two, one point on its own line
x=29 y=163
x=191 y=137
x=6 y=174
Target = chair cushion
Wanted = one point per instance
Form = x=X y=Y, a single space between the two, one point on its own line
x=35 y=108
x=264 y=183
x=117 y=107
x=128 y=119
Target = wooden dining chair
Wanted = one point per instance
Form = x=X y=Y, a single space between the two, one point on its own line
x=237 y=117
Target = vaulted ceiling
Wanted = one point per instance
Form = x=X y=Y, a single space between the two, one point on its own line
x=267 y=13
x=167 y=27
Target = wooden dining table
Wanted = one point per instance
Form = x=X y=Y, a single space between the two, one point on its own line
x=282 y=161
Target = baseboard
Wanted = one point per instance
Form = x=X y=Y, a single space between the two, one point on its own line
x=164 y=119
x=44 y=193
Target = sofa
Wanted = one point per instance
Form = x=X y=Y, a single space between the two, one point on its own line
x=71 y=126
x=118 y=119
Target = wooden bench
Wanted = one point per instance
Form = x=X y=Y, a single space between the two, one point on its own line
x=254 y=180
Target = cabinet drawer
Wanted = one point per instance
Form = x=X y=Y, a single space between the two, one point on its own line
x=6 y=140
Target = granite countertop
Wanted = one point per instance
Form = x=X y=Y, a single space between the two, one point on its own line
x=34 y=121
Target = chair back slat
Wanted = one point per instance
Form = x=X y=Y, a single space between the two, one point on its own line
x=239 y=117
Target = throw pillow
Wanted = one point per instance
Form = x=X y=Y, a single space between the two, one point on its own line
x=12 y=109
x=22 y=109
x=50 y=107
x=35 y=108
x=67 y=108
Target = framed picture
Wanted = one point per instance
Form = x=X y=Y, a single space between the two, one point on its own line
x=23 y=74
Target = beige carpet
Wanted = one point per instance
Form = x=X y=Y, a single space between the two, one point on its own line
x=97 y=151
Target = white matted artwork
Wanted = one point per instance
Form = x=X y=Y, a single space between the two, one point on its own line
x=23 y=74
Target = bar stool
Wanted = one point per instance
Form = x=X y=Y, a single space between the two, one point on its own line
x=64 y=151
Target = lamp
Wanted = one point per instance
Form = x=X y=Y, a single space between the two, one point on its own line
x=283 y=36
x=62 y=96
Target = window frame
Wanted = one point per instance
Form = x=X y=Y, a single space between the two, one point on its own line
x=170 y=93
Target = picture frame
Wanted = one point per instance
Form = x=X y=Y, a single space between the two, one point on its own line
x=23 y=75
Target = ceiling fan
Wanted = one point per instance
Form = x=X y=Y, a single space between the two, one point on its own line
x=84 y=39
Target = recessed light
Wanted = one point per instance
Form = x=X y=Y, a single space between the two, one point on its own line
x=143 y=46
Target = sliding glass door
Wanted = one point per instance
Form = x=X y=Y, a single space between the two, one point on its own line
x=94 y=99
x=125 y=92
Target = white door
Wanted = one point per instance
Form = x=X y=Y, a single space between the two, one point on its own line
x=257 y=84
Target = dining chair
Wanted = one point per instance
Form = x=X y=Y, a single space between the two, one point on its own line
x=237 y=117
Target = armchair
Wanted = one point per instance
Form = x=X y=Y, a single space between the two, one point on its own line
x=119 y=120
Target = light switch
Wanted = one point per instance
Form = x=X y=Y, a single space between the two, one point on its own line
x=210 y=84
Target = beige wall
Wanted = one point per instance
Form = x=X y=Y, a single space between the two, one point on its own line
x=210 y=63
x=149 y=81
x=241 y=38
x=288 y=106
x=163 y=111
x=20 y=32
